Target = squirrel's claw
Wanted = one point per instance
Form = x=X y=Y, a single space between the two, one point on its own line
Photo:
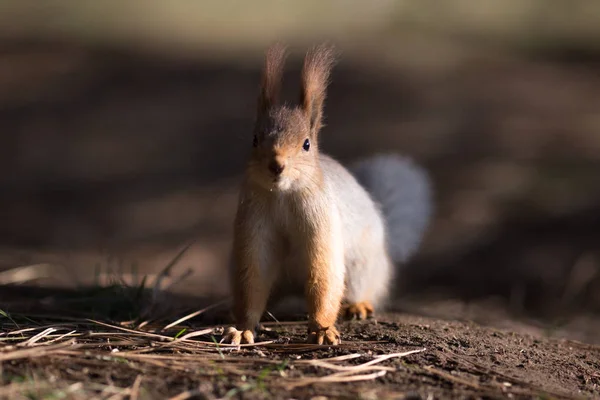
x=234 y=336
x=361 y=310
x=327 y=336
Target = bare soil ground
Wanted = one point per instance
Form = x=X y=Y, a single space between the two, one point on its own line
x=78 y=345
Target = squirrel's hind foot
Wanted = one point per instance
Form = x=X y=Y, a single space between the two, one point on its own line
x=326 y=336
x=234 y=336
x=360 y=310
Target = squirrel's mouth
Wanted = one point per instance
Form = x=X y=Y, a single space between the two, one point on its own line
x=270 y=182
x=280 y=183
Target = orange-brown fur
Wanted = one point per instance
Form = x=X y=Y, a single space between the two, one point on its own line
x=359 y=310
x=323 y=294
x=291 y=213
x=306 y=225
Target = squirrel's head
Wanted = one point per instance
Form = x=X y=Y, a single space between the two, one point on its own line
x=285 y=142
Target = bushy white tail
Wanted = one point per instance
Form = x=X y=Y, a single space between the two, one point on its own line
x=403 y=192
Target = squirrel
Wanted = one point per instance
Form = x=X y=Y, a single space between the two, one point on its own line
x=307 y=225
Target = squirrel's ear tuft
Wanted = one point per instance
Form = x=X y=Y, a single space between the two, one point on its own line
x=271 y=78
x=315 y=77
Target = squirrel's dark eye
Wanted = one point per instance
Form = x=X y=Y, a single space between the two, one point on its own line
x=255 y=141
x=306 y=145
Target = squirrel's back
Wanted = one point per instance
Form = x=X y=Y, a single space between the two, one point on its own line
x=403 y=191
x=359 y=214
x=384 y=205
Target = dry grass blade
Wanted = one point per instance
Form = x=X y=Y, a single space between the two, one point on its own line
x=194 y=314
x=25 y=330
x=347 y=373
x=348 y=368
x=166 y=272
x=119 y=396
x=34 y=352
x=178 y=341
x=194 y=334
x=353 y=369
x=26 y=273
x=135 y=389
x=177 y=280
x=343 y=358
x=31 y=341
x=58 y=338
x=188 y=394
x=336 y=378
x=299 y=347
x=361 y=367
x=142 y=333
x=393 y=355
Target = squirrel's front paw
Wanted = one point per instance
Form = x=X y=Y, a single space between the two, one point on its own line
x=327 y=336
x=361 y=310
x=233 y=336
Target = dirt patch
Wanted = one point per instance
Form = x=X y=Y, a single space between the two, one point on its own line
x=396 y=355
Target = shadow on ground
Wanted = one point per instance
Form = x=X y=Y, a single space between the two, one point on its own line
x=104 y=151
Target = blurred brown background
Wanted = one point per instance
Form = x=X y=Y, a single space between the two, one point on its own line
x=125 y=126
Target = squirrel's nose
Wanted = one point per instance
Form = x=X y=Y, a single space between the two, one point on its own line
x=276 y=168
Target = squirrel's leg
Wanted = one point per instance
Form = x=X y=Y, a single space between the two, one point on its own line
x=325 y=285
x=253 y=275
x=367 y=284
x=357 y=310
